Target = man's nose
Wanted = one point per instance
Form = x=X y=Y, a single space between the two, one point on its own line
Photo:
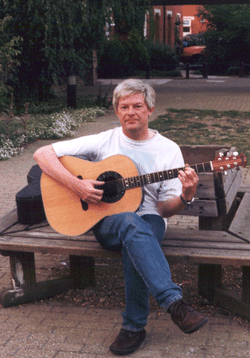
x=131 y=110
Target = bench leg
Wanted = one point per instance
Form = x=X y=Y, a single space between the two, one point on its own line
x=82 y=271
x=232 y=302
x=209 y=278
x=22 y=268
x=23 y=276
x=24 y=287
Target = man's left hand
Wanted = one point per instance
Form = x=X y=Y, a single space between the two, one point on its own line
x=189 y=180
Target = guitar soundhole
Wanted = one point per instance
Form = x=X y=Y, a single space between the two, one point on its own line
x=113 y=187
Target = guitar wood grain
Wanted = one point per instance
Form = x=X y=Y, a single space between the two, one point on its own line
x=63 y=208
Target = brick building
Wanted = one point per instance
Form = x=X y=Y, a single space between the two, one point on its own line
x=167 y=24
x=170 y=21
x=180 y=20
x=191 y=23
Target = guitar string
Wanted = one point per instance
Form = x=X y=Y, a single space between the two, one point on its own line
x=144 y=179
x=140 y=180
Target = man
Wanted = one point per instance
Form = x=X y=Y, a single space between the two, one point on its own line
x=138 y=235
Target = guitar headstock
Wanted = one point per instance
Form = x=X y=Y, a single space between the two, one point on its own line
x=222 y=163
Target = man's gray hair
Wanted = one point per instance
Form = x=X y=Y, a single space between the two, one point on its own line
x=133 y=86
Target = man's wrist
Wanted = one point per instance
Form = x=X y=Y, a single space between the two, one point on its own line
x=186 y=202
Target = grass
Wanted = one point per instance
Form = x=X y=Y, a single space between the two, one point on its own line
x=206 y=127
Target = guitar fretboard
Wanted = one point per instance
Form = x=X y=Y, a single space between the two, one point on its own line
x=141 y=180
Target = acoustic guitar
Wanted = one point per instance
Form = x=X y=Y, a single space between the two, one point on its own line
x=69 y=215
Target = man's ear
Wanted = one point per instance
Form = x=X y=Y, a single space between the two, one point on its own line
x=151 y=110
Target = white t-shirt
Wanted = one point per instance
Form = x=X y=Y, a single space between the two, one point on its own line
x=152 y=155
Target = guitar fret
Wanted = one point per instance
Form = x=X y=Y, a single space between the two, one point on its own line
x=161 y=176
x=199 y=168
x=176 y=172
x=207 y=167
x=126 y=182
x=170 y=174
x=123 y=184
x=131 y=182
x=195 y=168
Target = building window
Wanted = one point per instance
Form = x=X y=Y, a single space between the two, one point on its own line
x=186 y=27
x=158 y=12
x=157 y=24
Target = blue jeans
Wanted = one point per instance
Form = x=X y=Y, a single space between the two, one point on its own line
x=146 y=269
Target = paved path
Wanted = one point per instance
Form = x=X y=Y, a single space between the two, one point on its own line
x=59 y=330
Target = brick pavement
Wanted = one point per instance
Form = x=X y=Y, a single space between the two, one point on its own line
x=60 y=330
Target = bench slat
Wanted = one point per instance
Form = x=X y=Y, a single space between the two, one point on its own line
x=207 y=245
x=199 y=207
x=241 y=223
x=200 y=235
x=193 y=252
x=207 y=256
x=64 y=247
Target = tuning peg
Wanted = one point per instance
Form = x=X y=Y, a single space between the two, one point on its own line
x=221 y=154
x=235 y=153
x=225 y=173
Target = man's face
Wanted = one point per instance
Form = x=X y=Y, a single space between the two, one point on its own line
x=133 y=114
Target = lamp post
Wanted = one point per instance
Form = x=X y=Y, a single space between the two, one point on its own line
x=71 y=91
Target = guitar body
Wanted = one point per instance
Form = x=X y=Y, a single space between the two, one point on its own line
x=68 y=215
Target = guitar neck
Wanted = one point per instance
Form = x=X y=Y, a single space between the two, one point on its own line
x=141 y=180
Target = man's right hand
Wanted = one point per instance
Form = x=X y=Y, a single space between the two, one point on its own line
x=87 y=191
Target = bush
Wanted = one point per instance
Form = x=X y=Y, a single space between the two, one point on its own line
x=161 y=55
x=138 y=53
x=114 y=61
x=124 y=59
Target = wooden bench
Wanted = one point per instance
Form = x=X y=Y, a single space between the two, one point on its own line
x=223 y=238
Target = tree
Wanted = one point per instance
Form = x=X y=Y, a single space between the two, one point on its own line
x=9 y=50
x=72 y=31
x=129 y=19
x=57 y=37
x=129 y=15
x=228 y=35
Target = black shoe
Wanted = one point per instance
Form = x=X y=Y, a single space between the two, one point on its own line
x=186 y=318
x=127 y=342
